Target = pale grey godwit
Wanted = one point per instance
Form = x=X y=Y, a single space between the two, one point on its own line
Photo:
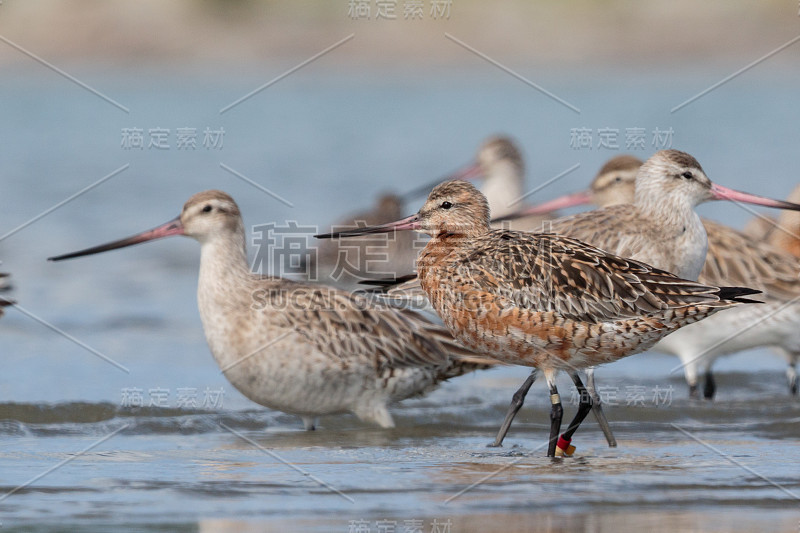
x=733 y=257
x=544 y=300
x=660 y=226
x=304 y=349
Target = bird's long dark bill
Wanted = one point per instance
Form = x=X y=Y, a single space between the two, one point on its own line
x=173 y=227
x=562 y=202
x=470 y=172
x=411 y=222
x=723 y=193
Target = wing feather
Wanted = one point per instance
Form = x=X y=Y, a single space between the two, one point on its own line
x=547 y=272
x=735 y=258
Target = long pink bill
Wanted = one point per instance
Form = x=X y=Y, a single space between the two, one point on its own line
x=562 y=202
x=468 y=173
x=719 y=192
x=410 y=222
x=173 y=227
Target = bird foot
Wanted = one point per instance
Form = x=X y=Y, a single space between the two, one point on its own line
x=564 y=448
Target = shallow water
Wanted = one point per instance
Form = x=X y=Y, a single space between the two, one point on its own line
x=202 y=457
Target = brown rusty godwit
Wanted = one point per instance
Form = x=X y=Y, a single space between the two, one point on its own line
x=543 y=300
x=733 y=257
x=500 y=164
x=304 y=349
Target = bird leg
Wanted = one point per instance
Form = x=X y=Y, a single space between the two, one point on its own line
x=564 y=447
x=516 y=404
x=309 y=422
x=556 y=414
x=710 y=386
x=597 y=409
x=791 y=376
x=694 y=393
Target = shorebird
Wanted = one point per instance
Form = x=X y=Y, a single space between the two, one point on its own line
x=732 y=257
x=381 y=256
x=660 y=226
x=304 y=349
x=500 y=164
x=544 y=300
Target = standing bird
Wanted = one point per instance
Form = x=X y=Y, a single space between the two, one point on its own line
x=543 y=300
x=732 y=257
x=304 y=349
x=660 y=227
x=500 y=164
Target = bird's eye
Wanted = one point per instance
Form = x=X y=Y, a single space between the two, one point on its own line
x=618 y=179
x=446 y=205
x=688 y=175
x=207 y=208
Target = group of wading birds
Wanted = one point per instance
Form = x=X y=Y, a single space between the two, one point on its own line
x=640 y=271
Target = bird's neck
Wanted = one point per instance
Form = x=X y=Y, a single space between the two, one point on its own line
x=670 y=211
x=504 y=189
x=224 y=272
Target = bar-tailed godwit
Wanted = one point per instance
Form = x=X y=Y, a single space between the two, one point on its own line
x=300 y=348
x=661 y=226
x=543 y=300
x=733 y=257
